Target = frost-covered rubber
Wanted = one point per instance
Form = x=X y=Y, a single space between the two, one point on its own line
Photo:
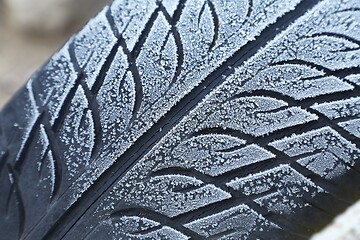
x=189 y=119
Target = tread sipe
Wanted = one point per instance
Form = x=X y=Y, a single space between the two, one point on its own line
x=188 y=119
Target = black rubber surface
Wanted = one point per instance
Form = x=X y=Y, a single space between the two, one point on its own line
x=188 y=120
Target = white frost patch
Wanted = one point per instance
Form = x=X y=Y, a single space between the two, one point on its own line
x=285 y=189
x=157 y=62
x=297 y=81
x=170 y=6
x=238 y=24
x=170 y=194
x=11 y=178
x=92 y=46
x=241 y=219
x=328 y=51
x=78 y=135
x=134 y=228
x=214 y=154
x=327 y=152
x=51 y=166
x=43 y=140
x=235 y=30
x=256 y=116
x=44 y=143
x=116 y=99
x=53 y=83
x=354 y=78
x=130 y=18
x=340 y=109
x=324 y=164
x=352 y=126
x=33 y=105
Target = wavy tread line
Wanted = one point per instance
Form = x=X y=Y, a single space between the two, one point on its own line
x=131 y=57
x=163 y=220
x=16 y=189
x=280 y=158
x=177 y=38
x=92 y=106
x=24 y=148
x=149 y=139
x=57 y=163
x=341 y=73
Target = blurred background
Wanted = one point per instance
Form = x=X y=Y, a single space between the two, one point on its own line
x=31 y=31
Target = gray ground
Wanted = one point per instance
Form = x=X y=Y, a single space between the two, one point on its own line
x=20 y=56
x=22 y=53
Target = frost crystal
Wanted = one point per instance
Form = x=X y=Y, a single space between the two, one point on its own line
x=325 y=151
x=280 y=189
x=235 y=223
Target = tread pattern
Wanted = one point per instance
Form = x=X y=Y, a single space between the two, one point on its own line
x=275 y=138
x=134 y=227
x=230 y=224
x=323 y=151
x=270 y=96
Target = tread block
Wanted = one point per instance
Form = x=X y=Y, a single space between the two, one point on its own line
x=239 y=222
x=323 y=151
x=281 y=189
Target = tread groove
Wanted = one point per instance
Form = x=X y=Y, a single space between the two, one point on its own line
x=159 y=218
x=187 y=103
x=22 y=215
x=186 y=118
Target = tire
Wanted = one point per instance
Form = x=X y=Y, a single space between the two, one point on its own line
x=188 y=119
